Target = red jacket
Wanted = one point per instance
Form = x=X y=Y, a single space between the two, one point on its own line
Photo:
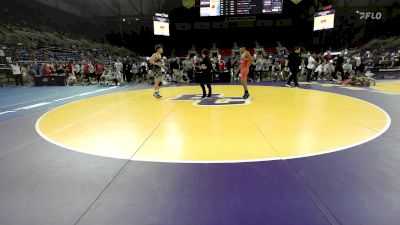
x=99 y=69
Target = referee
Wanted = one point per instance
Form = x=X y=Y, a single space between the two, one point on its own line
x=294 y=64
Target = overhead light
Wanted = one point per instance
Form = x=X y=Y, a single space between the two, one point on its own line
x=137 y=19
x=123 y=19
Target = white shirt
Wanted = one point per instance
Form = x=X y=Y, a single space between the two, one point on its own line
x=16 y=69
x=320 y=68
x=259 y=64
x=77 y=68
x=358 y=60
x=91 y=68
x=1 y=52
x=311 y=63
x=119 y=66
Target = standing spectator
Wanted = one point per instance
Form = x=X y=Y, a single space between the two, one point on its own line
x=118 y=65
x=69 y=69
x=221 y=65
x=99 y=71
x=78 y=72
x=294 y=64
x=92 y=72
x=134 y=70
x=359 y=67
x=86 y=73
x=339 y=63
x=258 y=68
x=27 y=79
x=16 y=69
x=311 y=66
x=127 y=71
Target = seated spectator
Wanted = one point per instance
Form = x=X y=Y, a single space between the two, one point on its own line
x=320 y=71
x=47 y=70
x=71 y=79
x=329 y=70
x=348 y=70
x=33 y=68
x=116 y=76
x=276 y=71
x=105 y=77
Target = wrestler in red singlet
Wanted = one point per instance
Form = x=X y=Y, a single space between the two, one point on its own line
x=244 y=71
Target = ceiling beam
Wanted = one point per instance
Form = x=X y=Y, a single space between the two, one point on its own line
x=140 y=12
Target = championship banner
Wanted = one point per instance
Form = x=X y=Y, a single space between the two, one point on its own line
x=188 y=3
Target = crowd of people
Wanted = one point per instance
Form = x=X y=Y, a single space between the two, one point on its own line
x=330 y=66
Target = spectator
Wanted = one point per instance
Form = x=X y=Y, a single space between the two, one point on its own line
x=116 y=76
x=311 y=66
x=339 y=63
x=118 y=65
x=348 y=70
x=134 y=70
x=47 y=70
x=16 y=69
x=359 y=67
x=92 y=72
x=27 y=79
x=32 y=69
x=329 y=71
x=105 y=77
x=99 y=71
x=294 y=64
x=258 y=69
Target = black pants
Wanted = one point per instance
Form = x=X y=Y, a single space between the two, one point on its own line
x=293 y=77
x=202 y=84
x=340 y=70
x=18 y=79
x=309 y=73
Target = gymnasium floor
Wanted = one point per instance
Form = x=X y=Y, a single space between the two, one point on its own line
x=322 y=154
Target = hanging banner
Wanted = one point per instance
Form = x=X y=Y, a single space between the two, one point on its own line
x=188 y=3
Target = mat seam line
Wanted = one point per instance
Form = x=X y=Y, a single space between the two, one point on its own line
x=47 y=109
x=343 y=118
x=314 y=197
x=123 y=167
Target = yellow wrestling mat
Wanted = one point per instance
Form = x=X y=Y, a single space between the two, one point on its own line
x=277 y=123
x=391 y=87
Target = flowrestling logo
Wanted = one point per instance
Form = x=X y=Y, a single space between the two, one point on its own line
x=214 y=100
x=370 y=15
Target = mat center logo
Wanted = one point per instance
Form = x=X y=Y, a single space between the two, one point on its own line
x=214 y=100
